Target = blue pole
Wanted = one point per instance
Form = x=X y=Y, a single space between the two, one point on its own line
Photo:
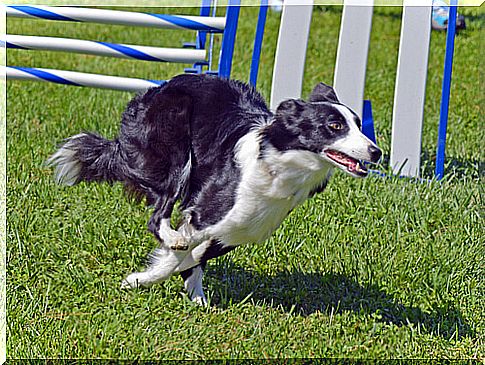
x=205 y=10
x=368 y=121
x=445 y=91
x=229 y=38
x=258 y=41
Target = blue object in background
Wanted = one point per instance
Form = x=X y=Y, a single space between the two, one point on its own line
x=229 y=38
x=440 y=16
x=445 y=91
x=368 y=121
x=258 y=43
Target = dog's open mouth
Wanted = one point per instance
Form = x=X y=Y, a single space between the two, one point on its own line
x=353 y=166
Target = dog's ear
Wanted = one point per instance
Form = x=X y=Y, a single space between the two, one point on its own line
x=290 y=106
x=290 y=112
x=323 y=92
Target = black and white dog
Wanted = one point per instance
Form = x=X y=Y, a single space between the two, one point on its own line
x=236 y=168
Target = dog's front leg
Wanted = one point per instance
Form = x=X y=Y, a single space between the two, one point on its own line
x=191 y=235
x=176 y=240
x=160 y=226
x=182 y=239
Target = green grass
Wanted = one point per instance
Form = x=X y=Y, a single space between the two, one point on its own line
x=374 y=268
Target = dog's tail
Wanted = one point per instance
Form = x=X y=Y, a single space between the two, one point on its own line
x=88 y=157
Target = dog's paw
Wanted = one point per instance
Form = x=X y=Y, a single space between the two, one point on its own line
x=179 y=244
x=132 y=281
x=199 y=300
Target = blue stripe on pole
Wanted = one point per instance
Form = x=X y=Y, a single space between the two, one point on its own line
x=40 y=13
x=11 y=45
x=130 y=52
x=45 y=76
x=158 y=82
x=445 y=91
x=185 y=23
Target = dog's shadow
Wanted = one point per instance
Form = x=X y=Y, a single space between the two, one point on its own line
x=302 y=294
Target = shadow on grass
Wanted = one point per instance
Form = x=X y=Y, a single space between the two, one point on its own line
x=453 y=166
x=456 y=168
x=302 y=294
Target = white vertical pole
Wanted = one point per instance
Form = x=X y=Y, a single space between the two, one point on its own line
x=410 y=91
x=353 y=47
x=291 y=51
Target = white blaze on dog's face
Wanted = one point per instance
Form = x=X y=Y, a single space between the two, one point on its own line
x=352 y=147
x=328 y=128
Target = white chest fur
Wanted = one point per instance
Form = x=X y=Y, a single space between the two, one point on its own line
x=269 y=189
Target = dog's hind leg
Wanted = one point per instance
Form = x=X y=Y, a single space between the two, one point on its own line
x=165 y=261
x=193 y=284
x=162 y=264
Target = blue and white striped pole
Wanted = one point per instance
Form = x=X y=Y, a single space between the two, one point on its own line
x=207 y=24
x=145 y=53
x=445 y=92
x=79 y=79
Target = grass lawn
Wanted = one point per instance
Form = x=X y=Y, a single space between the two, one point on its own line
x=372 y=268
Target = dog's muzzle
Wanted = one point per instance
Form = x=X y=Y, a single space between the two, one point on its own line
x=352 y=165
x=375 y=154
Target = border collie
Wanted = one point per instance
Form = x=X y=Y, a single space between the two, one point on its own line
x=236 y=168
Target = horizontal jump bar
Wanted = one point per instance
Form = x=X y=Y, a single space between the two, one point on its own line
x=105 y=49
x=202 y=23
x=79 y=78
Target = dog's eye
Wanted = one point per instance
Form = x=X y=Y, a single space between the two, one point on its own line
x=336 y=126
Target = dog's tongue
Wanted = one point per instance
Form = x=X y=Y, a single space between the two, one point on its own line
x=341 y=158
x=352 y=164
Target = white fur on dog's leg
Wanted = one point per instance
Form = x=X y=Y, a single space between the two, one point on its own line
x=193 y=286
x=143 y=279
x=200 y=300
x=133 y=280
x=163 y=262
x=172 y=238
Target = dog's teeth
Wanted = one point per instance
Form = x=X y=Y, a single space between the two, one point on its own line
x=360 y=168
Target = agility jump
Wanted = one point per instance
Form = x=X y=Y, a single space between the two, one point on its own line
x=193 y=53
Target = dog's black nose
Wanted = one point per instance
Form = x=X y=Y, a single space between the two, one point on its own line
x=375 y=153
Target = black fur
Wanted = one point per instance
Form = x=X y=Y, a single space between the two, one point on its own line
x=215 y=250
x=99 y=158
x=177 y=143
x=198 y=118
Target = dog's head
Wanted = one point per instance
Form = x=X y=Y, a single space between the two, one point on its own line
x=328 y=128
